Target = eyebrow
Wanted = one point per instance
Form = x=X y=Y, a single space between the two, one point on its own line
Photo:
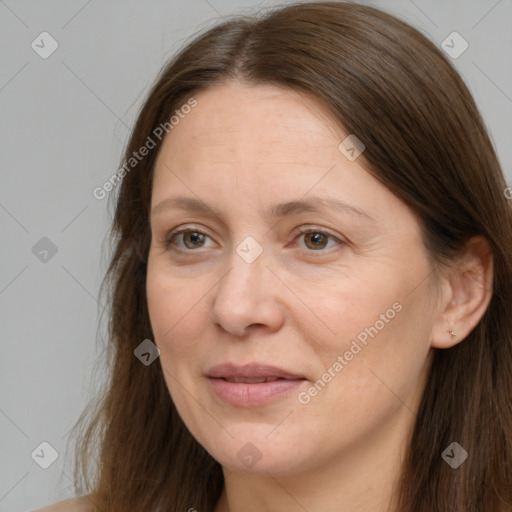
x=312 y=204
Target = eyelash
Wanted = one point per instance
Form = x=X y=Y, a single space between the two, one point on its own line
x=169 y=239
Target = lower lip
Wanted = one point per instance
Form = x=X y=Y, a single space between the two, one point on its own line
x=253 y=395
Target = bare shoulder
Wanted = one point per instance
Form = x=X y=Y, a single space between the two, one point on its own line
x=80 y=504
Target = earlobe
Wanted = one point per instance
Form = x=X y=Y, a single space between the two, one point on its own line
x=466 y=294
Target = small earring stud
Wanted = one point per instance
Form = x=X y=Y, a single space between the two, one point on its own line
x=452 y=332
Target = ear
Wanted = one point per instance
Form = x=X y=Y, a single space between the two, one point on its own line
x=466 y=291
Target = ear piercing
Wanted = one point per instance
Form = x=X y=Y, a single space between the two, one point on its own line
x=452 y=332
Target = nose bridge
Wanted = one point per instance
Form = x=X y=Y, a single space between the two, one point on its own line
x=245 y=277
x=246 y=295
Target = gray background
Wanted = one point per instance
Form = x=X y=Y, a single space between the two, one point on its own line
x=63 y=124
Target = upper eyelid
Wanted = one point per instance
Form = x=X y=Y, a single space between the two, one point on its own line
x=183 y=229
x=302 y=229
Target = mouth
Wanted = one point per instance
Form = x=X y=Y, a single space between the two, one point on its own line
x=252 y=385
x=251 y=371
x=242 y=380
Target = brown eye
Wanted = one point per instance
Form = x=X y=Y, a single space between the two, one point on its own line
x=193 y=239
x=316 y=240
x=186 y=239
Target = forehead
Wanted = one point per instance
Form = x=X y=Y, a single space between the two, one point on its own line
x=250 y=136
x=265 y=116
x=247 y=148
x=250 y=133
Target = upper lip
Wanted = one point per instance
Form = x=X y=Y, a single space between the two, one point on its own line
x=250 y=371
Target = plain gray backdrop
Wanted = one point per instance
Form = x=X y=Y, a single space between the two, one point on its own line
x=64 y=122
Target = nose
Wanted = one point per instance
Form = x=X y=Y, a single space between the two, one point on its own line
x=248 y=297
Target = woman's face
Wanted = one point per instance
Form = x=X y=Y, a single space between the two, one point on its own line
x=344 y=309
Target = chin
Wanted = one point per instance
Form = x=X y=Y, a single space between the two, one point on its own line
x=252 y=450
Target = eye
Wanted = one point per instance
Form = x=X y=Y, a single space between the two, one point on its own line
x=317 y=239
x=191 y=238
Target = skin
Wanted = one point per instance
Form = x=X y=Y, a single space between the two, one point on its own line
x=298 y=306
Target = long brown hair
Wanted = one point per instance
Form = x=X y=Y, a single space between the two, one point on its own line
x=426 y=141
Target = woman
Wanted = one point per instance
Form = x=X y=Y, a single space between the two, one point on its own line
x=311 y=282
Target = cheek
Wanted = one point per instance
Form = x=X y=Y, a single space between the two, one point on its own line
x=373 y=336
x=381 y=299
x=363 y=384
x=175 y=307
x=348 y=308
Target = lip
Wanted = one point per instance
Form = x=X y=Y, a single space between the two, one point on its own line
x=251 y=371
x=252 y=394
